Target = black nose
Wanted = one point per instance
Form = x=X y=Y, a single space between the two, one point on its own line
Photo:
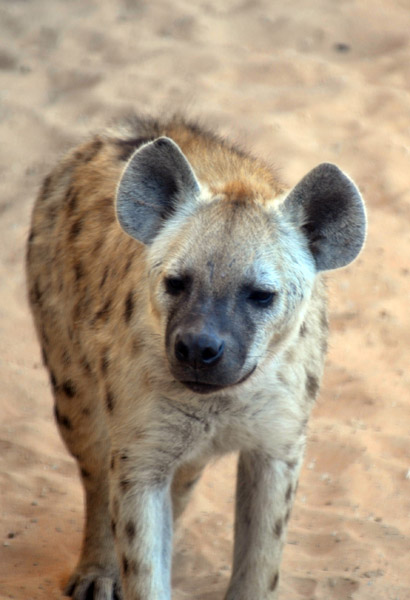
x=198 y=350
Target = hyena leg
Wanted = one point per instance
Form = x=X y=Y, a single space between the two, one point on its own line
x=183 y=484
x=264 y=497
x=141 y=513
x=145 y=459
x=83 y=430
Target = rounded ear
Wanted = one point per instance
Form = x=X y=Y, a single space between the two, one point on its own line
x=157 y=178
x=328 y=208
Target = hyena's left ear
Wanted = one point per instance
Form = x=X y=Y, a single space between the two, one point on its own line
x=328 y=208
x=156 y=179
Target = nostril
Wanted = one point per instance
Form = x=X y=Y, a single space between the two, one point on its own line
x=181 y=351
x=210 y=354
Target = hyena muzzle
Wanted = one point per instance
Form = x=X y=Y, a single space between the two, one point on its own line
x=178 y=299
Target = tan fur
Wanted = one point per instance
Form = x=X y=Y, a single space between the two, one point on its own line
x=101 y=314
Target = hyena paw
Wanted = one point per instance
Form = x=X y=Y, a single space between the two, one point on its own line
x=93 y=583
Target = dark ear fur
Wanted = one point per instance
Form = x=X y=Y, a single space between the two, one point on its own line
x=328 y=208
x=156 y=179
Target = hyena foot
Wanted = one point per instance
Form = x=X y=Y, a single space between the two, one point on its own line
x=97 y=575
x=94 y=582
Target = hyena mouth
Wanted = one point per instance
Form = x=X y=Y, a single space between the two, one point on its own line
x=208 y=388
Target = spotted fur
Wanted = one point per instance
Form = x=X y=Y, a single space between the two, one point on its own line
x=177 y=293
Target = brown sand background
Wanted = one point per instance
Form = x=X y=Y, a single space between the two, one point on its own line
x=299 y=83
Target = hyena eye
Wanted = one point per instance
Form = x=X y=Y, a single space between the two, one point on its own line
x=261 y=297
x=175 y=285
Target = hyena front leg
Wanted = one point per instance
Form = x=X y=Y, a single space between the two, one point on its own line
x=264 y=497
x=142 y=469
x=84 y=432
x=141 y=514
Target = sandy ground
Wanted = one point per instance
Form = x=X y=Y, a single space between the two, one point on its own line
x=299 y=83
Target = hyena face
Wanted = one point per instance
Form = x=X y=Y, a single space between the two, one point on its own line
x=227 y=302
x=224 y=299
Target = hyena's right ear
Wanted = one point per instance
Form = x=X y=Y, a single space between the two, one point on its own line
x=157 y=178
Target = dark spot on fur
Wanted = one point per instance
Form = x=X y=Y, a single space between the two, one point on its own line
x=130 y=530
x=124 y=456
x=104 y=361
x=124 y=564
x=303 y=330
x=86 y=412
x=109 y=401
x=68 y=388
x=65 y=422
x=91 y=151
x=191 y=483
x=288 y=493
x=98 y=245
x=103 y=313
x=78 y=310
x=113 y=527
x=36 y=293
x=53 y=381
x=128 y=147
x=128 y=264
x=86 y=365
x=291 y=464
x=312 y=385
x=84 y=473
x=287 y=516
x=104 y=277
x=71 y=199
x=62 y=419
x=78 y=270
x=278 y=528
x=45 y=189
x=274 y=583
x=112 y=463
x=31 y=236
x=44 y=356
x=129 y=307
x=75 y=229
x=124 y=484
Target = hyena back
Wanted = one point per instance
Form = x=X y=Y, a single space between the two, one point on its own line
x=177 y=294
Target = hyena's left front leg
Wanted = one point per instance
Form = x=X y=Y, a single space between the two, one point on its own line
x=264 y=498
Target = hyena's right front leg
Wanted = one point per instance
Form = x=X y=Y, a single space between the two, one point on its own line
x=141 y=519
x=143 y=463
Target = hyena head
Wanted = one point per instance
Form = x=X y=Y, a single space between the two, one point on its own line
x=231 y=274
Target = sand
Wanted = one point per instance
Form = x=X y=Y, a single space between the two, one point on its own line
x=299 y=83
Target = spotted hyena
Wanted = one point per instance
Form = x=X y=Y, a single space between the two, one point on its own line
x=177 y=294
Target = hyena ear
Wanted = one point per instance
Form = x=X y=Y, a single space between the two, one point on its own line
x=328 y=208
x=155 y=181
